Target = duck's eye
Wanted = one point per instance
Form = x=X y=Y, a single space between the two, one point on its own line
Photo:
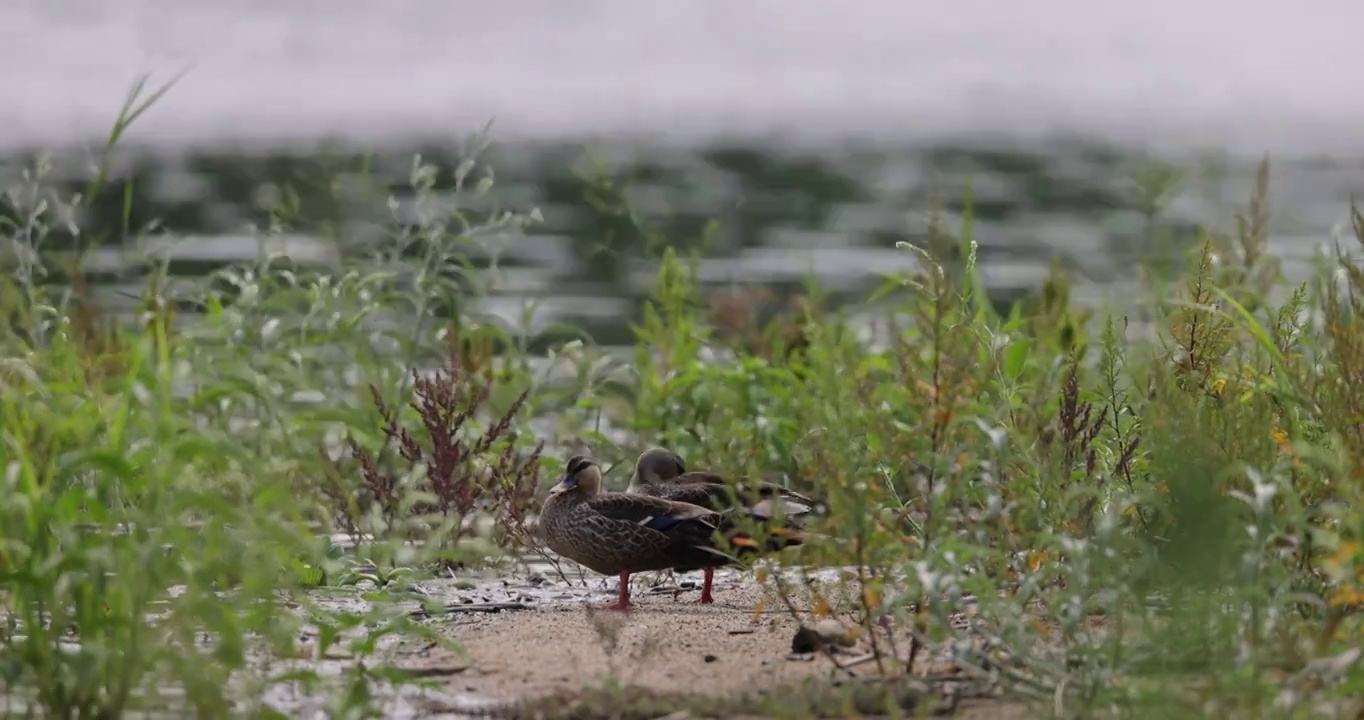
x=577 y=464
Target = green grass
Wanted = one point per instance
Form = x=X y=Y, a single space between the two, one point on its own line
x=1163 y=522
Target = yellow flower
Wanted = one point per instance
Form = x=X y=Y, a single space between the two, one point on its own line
x=1341 y=560
x=1281 y=438
x=1345 y=597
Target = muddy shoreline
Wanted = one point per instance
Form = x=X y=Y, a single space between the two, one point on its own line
x=533 y=636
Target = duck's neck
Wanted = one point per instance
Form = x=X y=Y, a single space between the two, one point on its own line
x=637 y=485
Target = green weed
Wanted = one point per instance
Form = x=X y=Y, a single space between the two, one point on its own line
x=166 y=516
x=1132 y=516
x=1106 y=513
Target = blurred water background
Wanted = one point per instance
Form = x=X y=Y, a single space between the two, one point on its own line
x=793 y=137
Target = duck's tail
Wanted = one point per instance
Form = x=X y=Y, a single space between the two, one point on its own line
x=774 y=499
x=765 y=539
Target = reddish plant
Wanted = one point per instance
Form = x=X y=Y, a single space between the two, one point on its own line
x=468 y=473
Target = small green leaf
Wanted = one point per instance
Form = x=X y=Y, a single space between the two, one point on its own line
x=1016 y=358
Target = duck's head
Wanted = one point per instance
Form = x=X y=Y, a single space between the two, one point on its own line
x=657 y=465
x=582 y=474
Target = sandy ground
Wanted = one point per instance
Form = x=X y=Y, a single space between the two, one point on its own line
x=665 y=643
x=560 y=647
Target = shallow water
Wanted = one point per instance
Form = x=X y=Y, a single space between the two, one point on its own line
x=1262 y=76
x=781 y=214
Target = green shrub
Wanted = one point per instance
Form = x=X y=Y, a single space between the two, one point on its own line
x=165 y=516
x=1149 y=511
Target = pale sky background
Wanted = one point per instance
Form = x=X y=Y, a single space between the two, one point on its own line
x=1248 y=75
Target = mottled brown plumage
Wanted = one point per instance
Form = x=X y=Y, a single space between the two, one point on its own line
x=620 y=533
x=661 y=473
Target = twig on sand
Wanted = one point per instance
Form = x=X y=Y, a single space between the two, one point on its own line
x=493 y=607
x=432 y=671
x=853 y=662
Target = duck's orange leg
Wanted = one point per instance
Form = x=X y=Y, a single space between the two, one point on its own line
x=623 y=601
x=706 y=597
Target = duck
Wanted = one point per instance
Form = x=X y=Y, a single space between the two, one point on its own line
x=660 y=472
x=616 y=533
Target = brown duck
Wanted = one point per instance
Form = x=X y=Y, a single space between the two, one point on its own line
x=660 y=472
x=622 y=533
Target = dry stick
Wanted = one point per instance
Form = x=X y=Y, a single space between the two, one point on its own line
x=1029 y=686
x=554 y=563
x=531 y=540
x=533 y=543
x=919 y=629
x=473 y=608
x=884 y=622
x=857 y=660
x=866 y=605
x=1028 y=672
x=1025 y=660
x=795 y=614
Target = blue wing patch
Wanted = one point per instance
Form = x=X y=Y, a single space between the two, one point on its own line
x=661 y=523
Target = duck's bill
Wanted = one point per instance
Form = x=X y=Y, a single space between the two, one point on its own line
x=568 y=483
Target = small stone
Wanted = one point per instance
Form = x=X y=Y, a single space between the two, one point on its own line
x=711 y=658
x=823 y=634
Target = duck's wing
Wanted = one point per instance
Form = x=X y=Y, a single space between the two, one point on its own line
x=696 y=491
x=760 y=498
x=653 y=532
x=655 y=513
